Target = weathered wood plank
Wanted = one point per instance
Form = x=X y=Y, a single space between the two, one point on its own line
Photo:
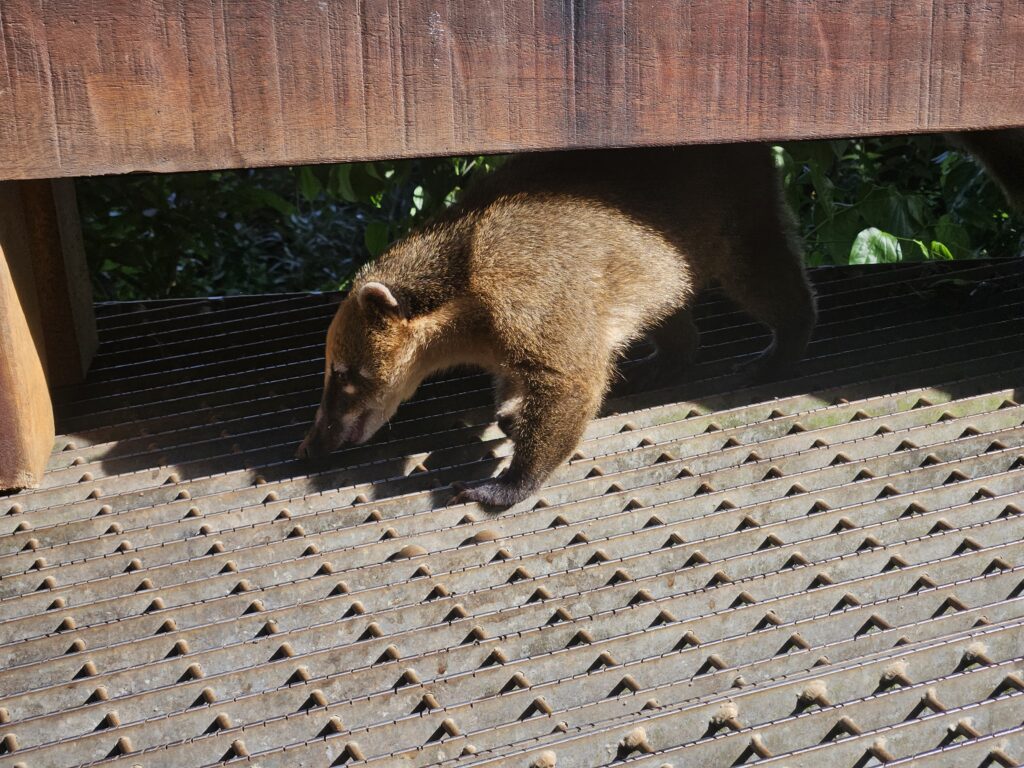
x=61 y=276
x=26 y=418
x=105 y=86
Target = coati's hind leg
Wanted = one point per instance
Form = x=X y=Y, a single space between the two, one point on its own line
x=767 y=279
x=675 y=341
x=553 y=414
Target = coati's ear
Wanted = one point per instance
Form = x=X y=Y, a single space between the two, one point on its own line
x=377 y=296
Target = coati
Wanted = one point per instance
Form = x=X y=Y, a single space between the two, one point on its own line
x=544 y=273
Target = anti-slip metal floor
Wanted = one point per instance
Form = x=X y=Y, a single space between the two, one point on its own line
x=824 y=569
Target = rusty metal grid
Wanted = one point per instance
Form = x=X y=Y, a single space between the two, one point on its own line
x=824 y=568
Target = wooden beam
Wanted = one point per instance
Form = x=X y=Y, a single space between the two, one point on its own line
x=63 y=287
x=113 y=86
x=26 y=418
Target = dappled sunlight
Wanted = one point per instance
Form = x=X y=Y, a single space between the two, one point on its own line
x=224 y=422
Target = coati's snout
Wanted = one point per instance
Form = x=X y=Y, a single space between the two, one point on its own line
x=363 y=370
x=343 y=418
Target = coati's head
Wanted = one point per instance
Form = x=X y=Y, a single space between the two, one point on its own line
x=371 y=368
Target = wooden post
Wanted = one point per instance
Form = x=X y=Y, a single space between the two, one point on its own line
x=26 y=417
x=63 y=289
x=47 y=327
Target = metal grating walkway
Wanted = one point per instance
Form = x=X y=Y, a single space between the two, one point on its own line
x=825 y=568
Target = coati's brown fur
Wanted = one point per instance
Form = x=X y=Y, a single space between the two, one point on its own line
x=547 y=270
x=544 y=273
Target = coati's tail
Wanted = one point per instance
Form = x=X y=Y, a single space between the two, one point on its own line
x=765 y=275
x=1002 y=154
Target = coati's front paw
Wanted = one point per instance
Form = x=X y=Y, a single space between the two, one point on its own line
x=500 y=492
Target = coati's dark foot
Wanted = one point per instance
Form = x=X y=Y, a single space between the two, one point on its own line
x=656 y=371
x=647 y=378
x=675 y=347
x=765 y=367
x=500 y=492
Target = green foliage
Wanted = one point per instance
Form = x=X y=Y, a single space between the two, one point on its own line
x=256 y=231
x=873 y=246
x=309 y=228
x=898 y=198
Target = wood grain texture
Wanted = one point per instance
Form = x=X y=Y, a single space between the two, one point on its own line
x=112 y=86
x=62 y=281
x=26 y=417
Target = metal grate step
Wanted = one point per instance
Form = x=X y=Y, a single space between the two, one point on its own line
x=828 y=566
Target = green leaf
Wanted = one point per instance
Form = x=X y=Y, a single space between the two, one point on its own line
x=954 y=236
x=835 y=237
x=820 y=159
x=918 y=209
x=264 y=197
x=341 y=182
x=365 y=186
x=873 y=246
x=376 y=237
x=940 y=251
x=886 y=207
x=839 y=147
x=309 y=184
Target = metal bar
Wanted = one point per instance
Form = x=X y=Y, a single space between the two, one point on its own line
x=828 y=567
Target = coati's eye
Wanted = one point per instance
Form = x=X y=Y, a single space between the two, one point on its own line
x=352 y=381
x=344 y=380
x=363 y=378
